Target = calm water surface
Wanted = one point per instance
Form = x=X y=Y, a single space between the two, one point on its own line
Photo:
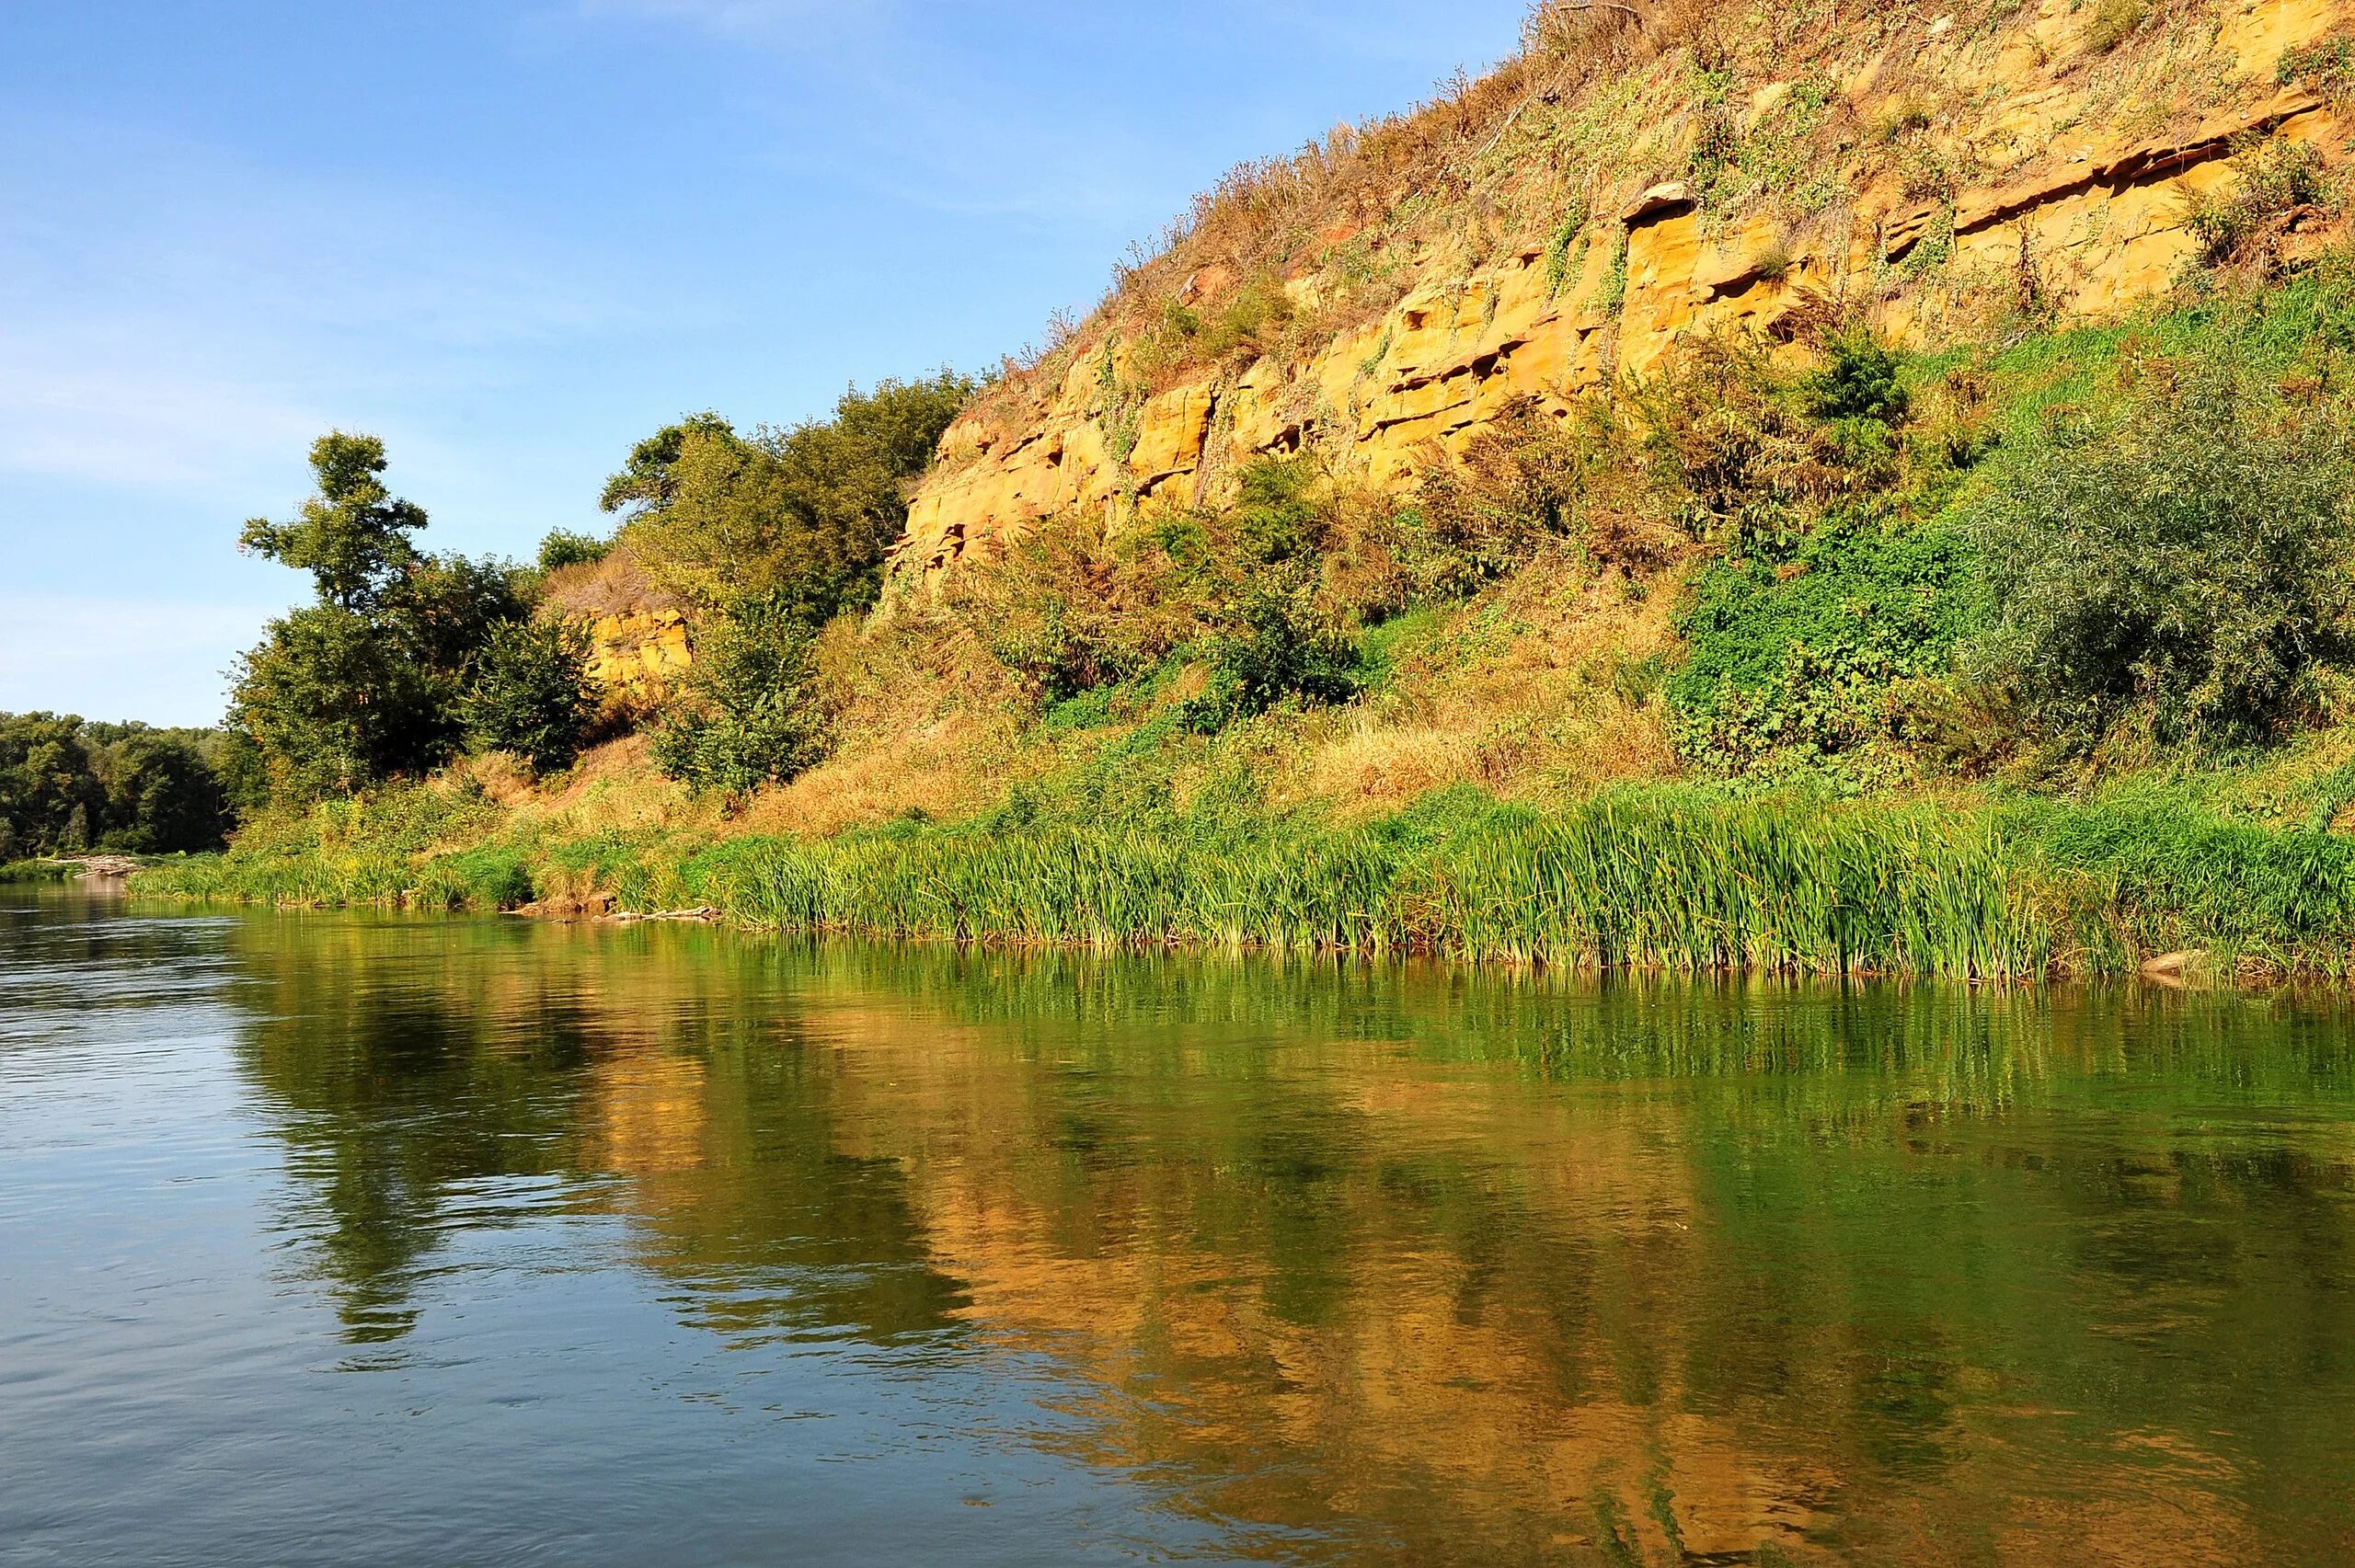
x=345 y=1240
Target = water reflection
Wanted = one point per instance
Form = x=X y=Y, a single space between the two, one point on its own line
x=1410 y=1263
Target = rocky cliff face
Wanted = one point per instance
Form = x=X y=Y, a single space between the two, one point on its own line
x=1618 y=187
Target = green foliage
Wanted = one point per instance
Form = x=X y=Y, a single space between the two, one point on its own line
x=648 y=482
x=67 y=786
x=384 y=847
x=2277 y=181
x=1252 y=594
x=2327 y=66
x=530 y=692
x=364 y=684
x=1566 y=248
x=806 y=513
x=1859 y=381
x=2177 y=561
x=335 y=698
x=352 y=536
x=2144 y=869
x=1797 y=663
x=563 y=547
x=748 y=713
x=1247 y=322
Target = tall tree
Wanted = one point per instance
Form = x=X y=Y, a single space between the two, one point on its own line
x=353 y=536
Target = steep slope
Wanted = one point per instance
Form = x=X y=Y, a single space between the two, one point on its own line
x=1632 y=178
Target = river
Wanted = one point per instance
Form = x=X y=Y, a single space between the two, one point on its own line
x=341 y=1238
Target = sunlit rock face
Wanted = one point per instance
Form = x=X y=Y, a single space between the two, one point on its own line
x=1970 y=157
x=636 y=654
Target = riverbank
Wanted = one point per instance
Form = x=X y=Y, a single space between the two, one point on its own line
x=1669 y=876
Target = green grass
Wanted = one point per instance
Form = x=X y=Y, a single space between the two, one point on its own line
x=1665 y=877
x=35 y=871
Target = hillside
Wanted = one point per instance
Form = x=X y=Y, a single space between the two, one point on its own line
x=1862 y=488
x=1629 y=181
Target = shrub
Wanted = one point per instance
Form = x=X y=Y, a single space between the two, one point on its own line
x=1248 y=322
x=563 y=548
x=1859 y=381
x=2277 y=182
x=2112 y=23
x=2327 y=66
x=531 y=693
x=748 y=712
x=2179 y=560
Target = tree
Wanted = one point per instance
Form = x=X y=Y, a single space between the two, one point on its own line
x=748 y=713
x=331 y=701
x=646 y=484
x=367 y=682
x=531 y=693
x=353 y=536
x=806 y=514
x=68 y=787
x=161 y=792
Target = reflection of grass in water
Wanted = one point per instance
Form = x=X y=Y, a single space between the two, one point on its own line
x=1664 y=1514
x=1618 y=1543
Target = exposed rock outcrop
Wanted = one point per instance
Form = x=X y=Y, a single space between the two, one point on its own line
x=2040 y=163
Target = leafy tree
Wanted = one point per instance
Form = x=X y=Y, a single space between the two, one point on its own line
x=2179 y=561
x=161 y=791
x=353 y=536
x=331 y=701
x=647 y=483
x=67 y=786
x=45 y=777
x=563 y=547
x=531 y=693
x=366 y=682
x=748 y=713
x=806 y=514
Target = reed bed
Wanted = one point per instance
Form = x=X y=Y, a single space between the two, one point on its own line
x=1656 y=880
x=1663 y=878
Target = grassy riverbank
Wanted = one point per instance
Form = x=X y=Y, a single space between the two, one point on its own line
x=1680 y=877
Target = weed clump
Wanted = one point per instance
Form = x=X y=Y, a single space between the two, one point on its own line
x=2278 y=184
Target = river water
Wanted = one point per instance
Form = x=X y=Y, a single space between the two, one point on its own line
x=352 y=1239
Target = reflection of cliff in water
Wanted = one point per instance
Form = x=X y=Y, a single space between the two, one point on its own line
x=1442 y=1265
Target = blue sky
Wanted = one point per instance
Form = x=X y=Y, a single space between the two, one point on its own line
x=511 y=236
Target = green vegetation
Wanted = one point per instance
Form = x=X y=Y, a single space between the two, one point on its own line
x=748 y=713
x=806 y=513
x=2174 y=562
x=1672 y=878
x=2278 y=182
x=375 y=680
x=68 y=787
x=530 y=692
x=2030 y=657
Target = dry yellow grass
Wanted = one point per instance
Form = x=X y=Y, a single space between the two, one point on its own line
x=1530 y=691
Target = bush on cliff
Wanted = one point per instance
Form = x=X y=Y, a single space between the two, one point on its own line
x=2174 y=564
x=808 y=513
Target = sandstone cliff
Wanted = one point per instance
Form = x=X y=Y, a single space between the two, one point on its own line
x=1622 y=184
